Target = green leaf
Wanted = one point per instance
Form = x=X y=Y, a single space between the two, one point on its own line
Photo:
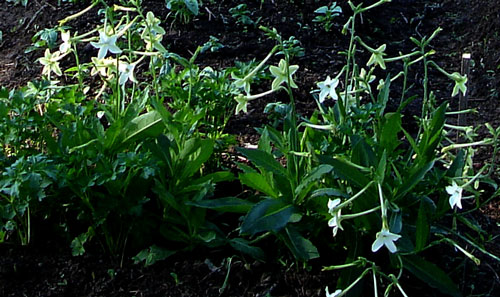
x=389 y=136
x=161 y=150
x=276 y=138
x=383 y=96
x=381 y=168
x=258 y=182
x=267 y=215
x=215 y=177
x=193 y=6
x=329 y=192
x=77 y=243
x=228 y=204
x=411 y=181
x=423 y=227
x=146 y=125
x=301 y=248
x=244 y=246
x=346 y=171
x=362 y=153
x=431 y=274
x=432 y=135
x=152 y=255
x=457 y=166
x=198 y=155
x=263 y=160
x=166 y=197
x=314 y=175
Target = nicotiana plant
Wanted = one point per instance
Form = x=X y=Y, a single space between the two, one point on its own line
x=131 y=148
x=382 y=186
x=125 y=154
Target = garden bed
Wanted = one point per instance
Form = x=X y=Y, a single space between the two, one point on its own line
x=46 y=267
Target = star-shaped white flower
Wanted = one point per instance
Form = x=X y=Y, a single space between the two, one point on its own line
x=334 y=294
x=455 y=192
x=242 y=104
x=66 y=45
x=126 y=72
x=327 y=89
x=334 y=222
x=332 y=204
x=385 y=237
x=460 y=83
x=377 y=57
x=106 y=43
x=105 y=67
x=365 y=79
x=50 y=62
x=154 y=24
x=281 y=74
x=241 y=83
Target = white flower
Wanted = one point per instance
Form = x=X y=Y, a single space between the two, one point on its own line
x=327 y=88
x=126 y=72
x=385 y=237
x=50 y=62
x=332 y=204
x=365 y=80
x=334 y=294
x=105 y=67
x=283 y=73
x=334 y=222
x=106 y=43
x=455 y=192
x=66 y=45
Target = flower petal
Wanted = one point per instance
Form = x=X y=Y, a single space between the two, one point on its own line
x=377 y=244
x=390 y=246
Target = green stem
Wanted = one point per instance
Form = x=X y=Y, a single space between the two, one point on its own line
x=359 y=214
x=358 y=194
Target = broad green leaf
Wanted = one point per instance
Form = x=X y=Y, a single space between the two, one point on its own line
x=244 y=246
x=228 y=204
x=314 y=175
x=263 y=160
x=166 y=197
x=146 y=125
x=457 y=167
x=77 y=243
x=345 y=170
x=389 y=136
x=432 y=135
x=258 y=182
x=265 y=142
x=165 y=115
x=411 y=181
x=301 y=248
x=430 y=274
x=283 y=185
x=423 y=227
x=276 y=138
x=383 y=96
x=197 y=158
x=381 y=168
x=215 y=177
x=329 y=192
x=173 y=233
x=362 y=153
x=267 y=215
x=152 y=255
x=192 y=5
x=161 y=150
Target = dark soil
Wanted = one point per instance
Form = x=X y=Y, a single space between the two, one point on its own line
x=469 y=26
